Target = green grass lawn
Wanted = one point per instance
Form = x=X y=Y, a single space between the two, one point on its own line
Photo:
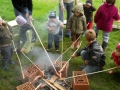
x=9 y=80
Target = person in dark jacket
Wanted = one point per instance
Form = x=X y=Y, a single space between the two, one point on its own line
x=24 y=8
x=6 y=48
x=88 y=11
x=92 y=55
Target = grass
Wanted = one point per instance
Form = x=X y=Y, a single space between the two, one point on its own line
x=12 y=78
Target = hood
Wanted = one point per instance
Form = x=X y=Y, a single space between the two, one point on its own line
x=78 y=8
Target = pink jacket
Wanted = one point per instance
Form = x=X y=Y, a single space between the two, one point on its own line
x=105 y=16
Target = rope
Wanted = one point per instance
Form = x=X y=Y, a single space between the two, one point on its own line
x=90 y=73
x=43 y=46
x=18 y=60
x=69 y=59
x=66 y=50
x=33 y=64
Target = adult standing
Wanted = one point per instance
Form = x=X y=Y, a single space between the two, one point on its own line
x=68 y=5
x=24 y=8
x=104 y=18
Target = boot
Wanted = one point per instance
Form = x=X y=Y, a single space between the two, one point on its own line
x=4 y=66
x=104 y=45
x=77 y=44
x=72 y=46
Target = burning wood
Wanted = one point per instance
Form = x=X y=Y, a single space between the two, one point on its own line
x=47 y=81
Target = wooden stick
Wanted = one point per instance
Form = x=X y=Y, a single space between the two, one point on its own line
x=68 y=60
x=50 y=84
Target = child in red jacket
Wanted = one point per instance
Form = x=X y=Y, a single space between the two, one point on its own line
x=116 y=59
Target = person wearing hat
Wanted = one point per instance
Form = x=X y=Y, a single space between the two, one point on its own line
x=53 y=25
x=88 y=11
x=23 y=40
x=115 y=62
x=6 y=48
x=77 y=24
x=92 y=54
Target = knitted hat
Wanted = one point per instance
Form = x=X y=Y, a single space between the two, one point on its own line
x=88 y=2
x=20 y=20
x=118 y=46
x=52 y=14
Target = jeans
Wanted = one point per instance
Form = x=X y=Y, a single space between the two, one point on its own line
x=88 y=68
x=52 y=37
x=68 y=7
x=105 y=35
x=23 y=13
x=6 y=53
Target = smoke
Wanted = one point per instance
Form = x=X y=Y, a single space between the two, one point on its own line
x=42 y=58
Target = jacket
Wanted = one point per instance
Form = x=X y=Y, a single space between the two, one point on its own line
x=55 y=25
x=116 y=58
x=5 y=34
x=77 y=24
x=89 y=13
x=105 y=16
x=19 y=4
x=97 y=56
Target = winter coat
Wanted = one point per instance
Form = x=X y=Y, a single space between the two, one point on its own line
x=88 y=13
x=77 y=24
x=5 y=34
x=19 y=4
x=97 y=56
x=105 y=16
x=55 y=25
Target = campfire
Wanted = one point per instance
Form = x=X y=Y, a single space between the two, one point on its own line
x=37 y=79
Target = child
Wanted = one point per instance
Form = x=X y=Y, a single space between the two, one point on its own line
x=77 y=24
x=53 y=26
x=6 y=49
x=92 y=55
x=88 y=11
x=23 y=40
x=104 y=18
x=115 y=59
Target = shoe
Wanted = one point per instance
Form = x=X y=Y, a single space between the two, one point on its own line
x=48 y=49
x=72 y=46
x=77 y=45
x=57 y=50
x=11 y=62
x=111 y=72
x=5 y=67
